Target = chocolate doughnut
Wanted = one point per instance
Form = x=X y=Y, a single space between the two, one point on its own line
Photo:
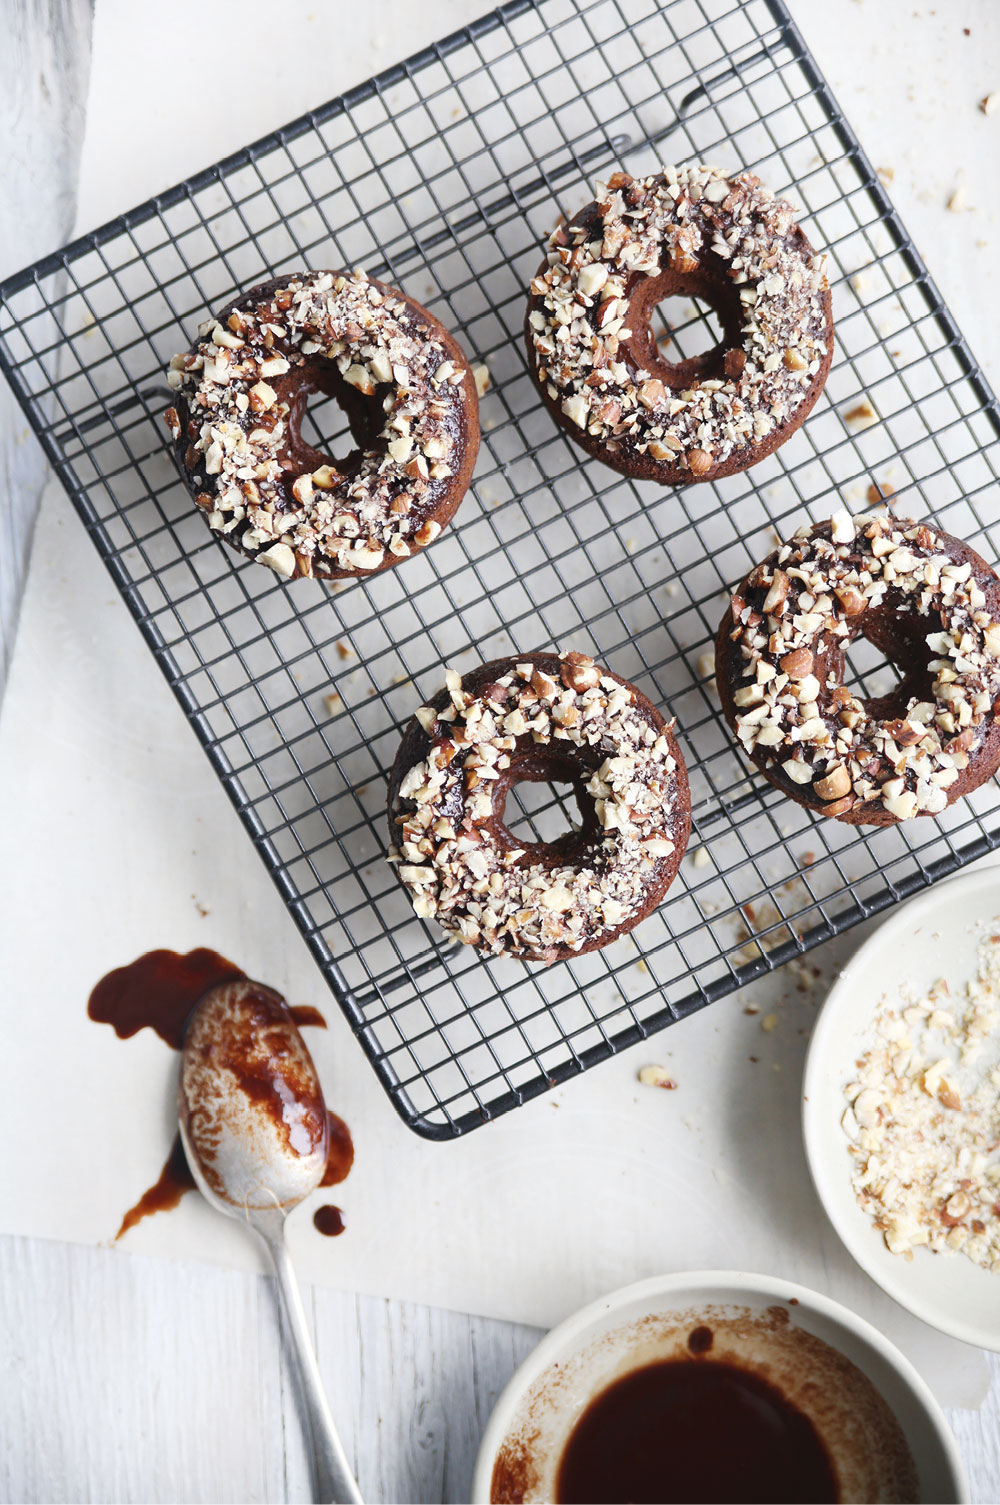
x=538 y=717
x=931 y=604
x=696 y=232
x=405 y=388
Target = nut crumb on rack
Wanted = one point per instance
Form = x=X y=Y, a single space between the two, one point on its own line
x=657 y=1076
x=861 y=416
x=923 y=1117
x=991 y=103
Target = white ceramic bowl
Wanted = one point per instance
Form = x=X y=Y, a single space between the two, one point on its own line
x=580 y=1355
x=933 y=935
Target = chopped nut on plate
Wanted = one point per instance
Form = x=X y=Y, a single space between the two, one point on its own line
x=923 y=1118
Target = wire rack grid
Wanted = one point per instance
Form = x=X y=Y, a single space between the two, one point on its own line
x=444 y=175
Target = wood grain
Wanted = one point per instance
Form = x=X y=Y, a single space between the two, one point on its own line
x=127 y=1378
x=142 y=1379
x=44 y=64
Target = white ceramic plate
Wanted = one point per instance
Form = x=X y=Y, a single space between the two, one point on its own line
x=613 y=1334
x=934 y=935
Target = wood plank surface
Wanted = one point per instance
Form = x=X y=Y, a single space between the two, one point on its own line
x=44 y=64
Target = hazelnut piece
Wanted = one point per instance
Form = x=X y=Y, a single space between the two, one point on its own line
x=778 y=593
x=852 y=602
x=797 y=664
x=834 y=785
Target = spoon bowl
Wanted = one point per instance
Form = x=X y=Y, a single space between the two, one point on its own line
x=250 y=1104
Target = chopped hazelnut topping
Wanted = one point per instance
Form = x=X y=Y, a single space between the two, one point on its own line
x=233 y=393
x=657 y=1076
x=685 y=218
x=807 y=602
x=534 y=902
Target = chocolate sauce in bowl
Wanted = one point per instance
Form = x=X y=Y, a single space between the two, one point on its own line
x=694 y=1430
x=700 y=1339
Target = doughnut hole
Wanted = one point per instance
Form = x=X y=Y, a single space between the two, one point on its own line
x=685 y=328
x=537 y=811
x=324 y=426
x=885 y=665
x=680 y=363
x=330 y=422
x=533 y=805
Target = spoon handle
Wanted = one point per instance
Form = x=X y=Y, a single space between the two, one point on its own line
x=335 y=1484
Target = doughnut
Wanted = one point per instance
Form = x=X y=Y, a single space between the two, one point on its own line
x=538 y=717
x=405 y=388
x=930 y=604
x=695 y=232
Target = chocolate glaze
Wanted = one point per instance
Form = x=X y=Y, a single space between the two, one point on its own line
x=694 y=1430
x=564 y=763
x=175 y=1179
x=329 y=1221
x=871 y=1459
x=901 y=634
x=340 y=1155
x=642 y=293
x=158 y=991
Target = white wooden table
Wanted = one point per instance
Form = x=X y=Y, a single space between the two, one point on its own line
x=136 y=1379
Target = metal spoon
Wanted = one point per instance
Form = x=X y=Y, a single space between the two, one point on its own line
x=254 y=1128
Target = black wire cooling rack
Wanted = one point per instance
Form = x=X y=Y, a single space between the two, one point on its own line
x=444 y=175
